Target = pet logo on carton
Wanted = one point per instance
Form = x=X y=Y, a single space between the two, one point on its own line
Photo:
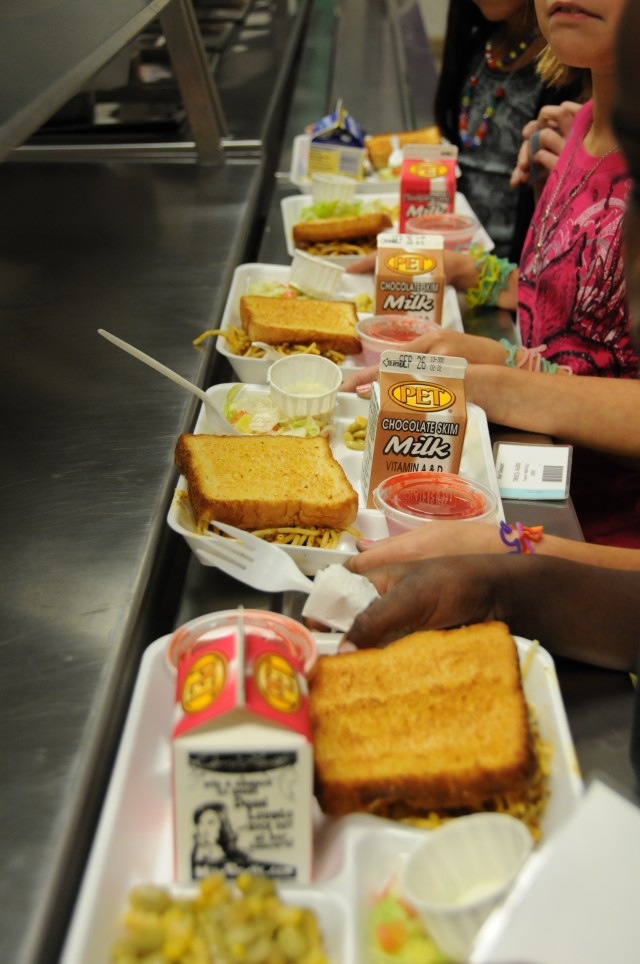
x=410 y=263
x=428 y=169
x=422 y=396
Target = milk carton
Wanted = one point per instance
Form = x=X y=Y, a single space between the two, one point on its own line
x=427 y=180
x=337 y=145
x=410 y=277
x=242 y=758
x=417 y=417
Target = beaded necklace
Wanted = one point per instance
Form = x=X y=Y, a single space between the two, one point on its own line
x=550 y=218
x=471 y=142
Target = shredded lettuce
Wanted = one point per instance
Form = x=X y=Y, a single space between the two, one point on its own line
x=253 y=412
x=275 y=289
x=351 y=209
x=332 y=209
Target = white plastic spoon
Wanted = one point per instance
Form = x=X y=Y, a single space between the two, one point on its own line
x=159 y=367
x=396 y=156
x=269 y=350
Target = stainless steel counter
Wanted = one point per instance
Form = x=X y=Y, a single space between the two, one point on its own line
x=89 y=572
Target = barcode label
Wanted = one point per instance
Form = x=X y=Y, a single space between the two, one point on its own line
x=552 y=473
x=532 y=471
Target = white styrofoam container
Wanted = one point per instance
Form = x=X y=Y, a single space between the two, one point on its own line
x=477 y=463
x=293 y=206
x=299 y=163
x=254 y=370
x=354 y=856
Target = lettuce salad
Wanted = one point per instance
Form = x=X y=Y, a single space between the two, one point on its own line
x=275 y=289
x=396 y=934
x=252 y=411
x=347 y=209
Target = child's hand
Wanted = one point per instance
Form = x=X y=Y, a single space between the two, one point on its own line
x=364 y=265
x=549 y=132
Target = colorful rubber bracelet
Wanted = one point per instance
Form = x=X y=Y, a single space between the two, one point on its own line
x=493 y=277
x=520 y=538
x=531 y=359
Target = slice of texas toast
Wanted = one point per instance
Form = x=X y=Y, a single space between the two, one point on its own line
x=331 y=325
x=436 y=720
x=257 y=482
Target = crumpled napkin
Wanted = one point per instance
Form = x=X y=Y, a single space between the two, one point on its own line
x=337 y=597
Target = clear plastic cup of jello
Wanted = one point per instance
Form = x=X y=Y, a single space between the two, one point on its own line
x=282 y=632
x=411 y=499
x=457 y=230
x=393 y=332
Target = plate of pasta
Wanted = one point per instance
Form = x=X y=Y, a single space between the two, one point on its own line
x=311 y=548
x=299 y=208
x=373 y=211
x=273 y=280
x=314 y=549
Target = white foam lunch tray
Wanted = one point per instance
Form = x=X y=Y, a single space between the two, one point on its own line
x=255 y=370
x=293 y=206
x=354 y=856
x=477 y=464
x=298 y=176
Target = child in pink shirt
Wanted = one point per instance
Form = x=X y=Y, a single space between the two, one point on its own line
x=571 y=291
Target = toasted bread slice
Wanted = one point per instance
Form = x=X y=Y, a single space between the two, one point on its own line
x=437 y=720
x=340 y=229
x=379 y=146
x=257 y=482
x=330 y=324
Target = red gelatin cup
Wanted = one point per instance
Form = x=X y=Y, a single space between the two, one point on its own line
x=411 y=499
x=457 y=230
x=389 y=333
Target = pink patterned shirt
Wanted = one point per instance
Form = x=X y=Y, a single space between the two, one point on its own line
x=571 y=292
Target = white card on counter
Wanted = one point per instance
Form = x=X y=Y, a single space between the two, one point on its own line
x=532 y=471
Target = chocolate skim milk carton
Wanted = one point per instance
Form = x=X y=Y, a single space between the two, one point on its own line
x=417 y=417
x=242 y=760
x=409 y=277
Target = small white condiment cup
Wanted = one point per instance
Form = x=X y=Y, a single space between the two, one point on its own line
x=313 y=276
x=305 y=384
x=461 y=872
x=332 y=187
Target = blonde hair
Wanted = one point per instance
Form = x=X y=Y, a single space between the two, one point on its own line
x=553 y=72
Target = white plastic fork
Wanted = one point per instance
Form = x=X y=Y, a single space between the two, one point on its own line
x=253 y=561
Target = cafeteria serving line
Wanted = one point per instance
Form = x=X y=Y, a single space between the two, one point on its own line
x=145 y=247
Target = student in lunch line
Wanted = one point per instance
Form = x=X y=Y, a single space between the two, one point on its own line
x=586 y=613
x=487 y=91
x=599 y=419
x=569 y=287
